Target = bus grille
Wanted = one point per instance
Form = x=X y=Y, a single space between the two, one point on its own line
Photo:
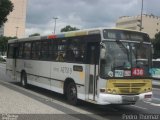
x=129 y=88
x=134 y=86
x=129 y=84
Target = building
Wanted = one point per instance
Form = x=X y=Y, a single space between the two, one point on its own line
x=15 y=26
x=150 y=23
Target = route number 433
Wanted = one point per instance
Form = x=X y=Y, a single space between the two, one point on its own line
x=138 y=72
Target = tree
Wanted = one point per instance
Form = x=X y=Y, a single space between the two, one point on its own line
x=6 y=7
x=156 y=46
x=68 y=28
x=35 y=34
x=3 y=43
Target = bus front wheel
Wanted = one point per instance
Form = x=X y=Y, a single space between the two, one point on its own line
x=24 y=80
x=72 y=93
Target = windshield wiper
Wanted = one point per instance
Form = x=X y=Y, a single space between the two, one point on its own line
x=125 y=50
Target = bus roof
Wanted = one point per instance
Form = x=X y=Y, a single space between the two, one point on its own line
x=69 y=34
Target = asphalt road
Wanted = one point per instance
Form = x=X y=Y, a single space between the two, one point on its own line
x=141 y=110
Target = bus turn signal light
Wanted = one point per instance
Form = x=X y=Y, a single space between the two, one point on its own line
x=102 y=90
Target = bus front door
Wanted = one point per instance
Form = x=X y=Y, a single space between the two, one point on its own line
x=14 y=62
x=92 y=57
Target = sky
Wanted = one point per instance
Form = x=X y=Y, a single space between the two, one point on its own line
x=82 y=14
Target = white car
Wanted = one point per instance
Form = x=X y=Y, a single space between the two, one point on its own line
x=3 y=57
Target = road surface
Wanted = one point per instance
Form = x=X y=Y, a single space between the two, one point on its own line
x=36 y=102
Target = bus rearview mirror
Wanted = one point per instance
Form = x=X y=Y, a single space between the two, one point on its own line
x=103 y=51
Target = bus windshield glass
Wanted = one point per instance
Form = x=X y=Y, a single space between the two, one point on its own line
x=125 y=59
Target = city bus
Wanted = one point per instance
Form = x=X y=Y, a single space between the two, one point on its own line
x=155 y=71
x=100 y=65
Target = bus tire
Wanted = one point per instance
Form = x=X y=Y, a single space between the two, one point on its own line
x=24 y=80
x=71 y=93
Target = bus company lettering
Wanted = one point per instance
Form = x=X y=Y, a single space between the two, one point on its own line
x=66 y=70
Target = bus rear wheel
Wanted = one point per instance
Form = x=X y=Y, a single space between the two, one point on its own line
x=24 y=80
x=71 y=93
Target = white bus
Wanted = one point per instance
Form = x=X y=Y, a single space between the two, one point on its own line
x=97 y=65
x=155 y=71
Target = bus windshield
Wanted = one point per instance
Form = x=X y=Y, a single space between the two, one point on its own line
x=125 y=59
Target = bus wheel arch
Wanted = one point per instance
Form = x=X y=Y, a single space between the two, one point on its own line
x=23 y=78
x=70 y=91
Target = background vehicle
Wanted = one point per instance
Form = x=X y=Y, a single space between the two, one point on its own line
x=97 y=65
x=155 y=71
x=3 y=58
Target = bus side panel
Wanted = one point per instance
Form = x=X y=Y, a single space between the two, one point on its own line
x=43 y=68
x=38 y=72
x=9 y=69
x=19 y=68
x=61 y=71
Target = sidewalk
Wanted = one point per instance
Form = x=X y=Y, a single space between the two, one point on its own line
x=17 y=106
x=12 y=102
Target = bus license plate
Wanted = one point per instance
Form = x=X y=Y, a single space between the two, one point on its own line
x=130 y=98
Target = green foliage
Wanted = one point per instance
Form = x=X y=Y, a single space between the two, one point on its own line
x=35 y=34
x=6 y=7
x=3 y=43
x=156 y=46
x=68 y=28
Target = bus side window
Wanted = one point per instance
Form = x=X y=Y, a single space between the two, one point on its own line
x=27 y=50
x=44 y=50
x=61 y=50
x=92 y=53
x=92 y=49
x=53 y=49
x=20 y=51
x=75 y=50
x=79 y=51
x=69 y=56
x=35 y=50
x=10 y=50
x=60 y=57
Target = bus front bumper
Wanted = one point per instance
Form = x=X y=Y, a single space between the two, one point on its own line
x=105 y=99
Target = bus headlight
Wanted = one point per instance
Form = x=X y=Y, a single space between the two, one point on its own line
x=109 y=91
x=114 y=92
x=147 y=89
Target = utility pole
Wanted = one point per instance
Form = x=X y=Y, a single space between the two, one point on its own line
x=55 y=18
x=141 y=17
